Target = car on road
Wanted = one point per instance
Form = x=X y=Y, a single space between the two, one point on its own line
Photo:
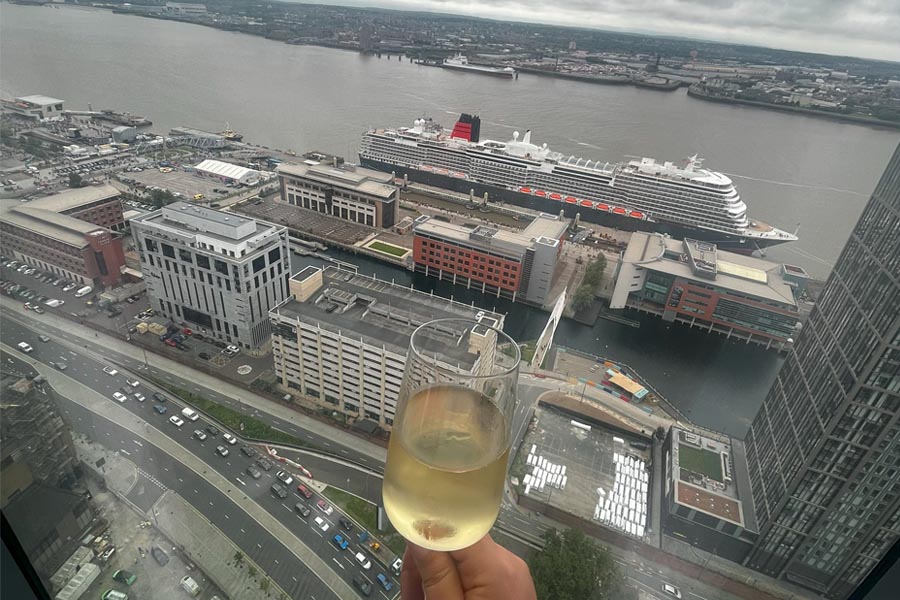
x=363 y=585
x=110 y=371
x=320 y=522
x=264 y=464
x=324 y=507
x=44 y=338
x=339 y=541
x=123 y=576
x=139 y=396
x=120 y=397
x=383 y=580
x=39 y=310
x=304 y=491
x=229 y=438
x=176 y=420
x=279 y=491
x=397 y=566
x=160 y=556
x=59 y=365
x=204 y=356
x=253 y=472
x=302 y=509
x=212 y=430
x=222 y=450
x=346 y=524
x=159 y=397
x=671 y=590
x=249 y=451
x=363 y=561
x=26 y=348
x=199 y=435
x=284 y=477
x=159 y=408
x=133 y=382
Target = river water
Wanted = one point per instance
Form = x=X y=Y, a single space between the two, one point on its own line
x=789 y=169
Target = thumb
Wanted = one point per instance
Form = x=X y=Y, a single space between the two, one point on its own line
x=440 y=580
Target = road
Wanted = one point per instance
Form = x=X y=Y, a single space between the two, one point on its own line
x=160 y=472
x=347 y=467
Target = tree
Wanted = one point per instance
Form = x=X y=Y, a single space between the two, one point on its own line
x=573 y=567
x=264 y=585
x=252 y=572
x=75 y=180
x=160 y=198
x=593 y=274
x=238 y=557
x=582 y=298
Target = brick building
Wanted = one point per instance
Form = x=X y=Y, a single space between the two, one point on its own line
x=513 y=264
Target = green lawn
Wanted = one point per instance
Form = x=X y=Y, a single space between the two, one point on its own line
x=365 y=514
x=388 y=248
x=700 y=461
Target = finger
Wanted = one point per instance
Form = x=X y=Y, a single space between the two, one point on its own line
x=440 y=581
x=410 y=579
x=473 y=563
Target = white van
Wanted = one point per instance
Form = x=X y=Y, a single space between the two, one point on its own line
x=190 y=414
x=189 y=585
x=84 y=291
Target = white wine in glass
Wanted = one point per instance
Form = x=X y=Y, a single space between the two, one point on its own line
x=449 y=448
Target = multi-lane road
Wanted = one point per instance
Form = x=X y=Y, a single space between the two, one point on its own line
x=337 y=464
x=159 y=471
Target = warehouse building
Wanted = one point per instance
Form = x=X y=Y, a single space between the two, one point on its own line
x=341 y=339
x=227 y=172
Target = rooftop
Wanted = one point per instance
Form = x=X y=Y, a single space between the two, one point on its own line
x=39 y=100
x=224 y=169
x=711 y=476
x=377 y=312
x=193 y=220
x=703 y=262
x=75 y=198
x=347 y=176
x=62 y=228
x=546 y=227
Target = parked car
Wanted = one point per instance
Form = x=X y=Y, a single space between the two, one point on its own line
x=123 y=576
x=160 y=556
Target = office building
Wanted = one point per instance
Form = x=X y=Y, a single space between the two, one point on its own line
x=706 y=493
x=216 y=272
x=514 y=264
x=35 y=107
x=694 y=283
x=342 y=338
x=71 y=234
x=824 y=448
x=342 y=190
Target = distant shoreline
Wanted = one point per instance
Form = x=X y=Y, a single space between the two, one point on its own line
x=855 y=119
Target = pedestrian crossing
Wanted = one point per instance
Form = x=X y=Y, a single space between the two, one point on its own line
x=153 y=479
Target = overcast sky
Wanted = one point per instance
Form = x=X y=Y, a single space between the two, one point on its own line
x=866 y=28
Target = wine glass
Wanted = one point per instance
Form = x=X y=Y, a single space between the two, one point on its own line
x=449 y=448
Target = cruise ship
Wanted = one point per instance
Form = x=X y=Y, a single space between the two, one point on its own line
x=461 y=63
x=682 y=200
